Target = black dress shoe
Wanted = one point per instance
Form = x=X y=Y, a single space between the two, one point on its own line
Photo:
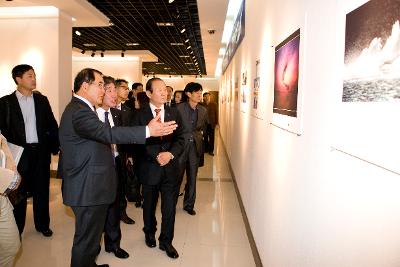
x=126 y=219
x=46 y=232
x=170 y=250
x=119 y=253
x=150 y=240
x=190 y=211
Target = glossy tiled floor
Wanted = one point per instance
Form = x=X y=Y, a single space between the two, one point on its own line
x=215 y=237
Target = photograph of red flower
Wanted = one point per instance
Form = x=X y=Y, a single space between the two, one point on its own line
x=287 y=75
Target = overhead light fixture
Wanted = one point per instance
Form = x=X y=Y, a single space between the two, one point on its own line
x=83 y=51
x=164 y=24
x=159 y=63
x=189 y=63
x=191 y=52
x=196 y=63
x=188 y=47
x=93 y=54
x=183 y=56
x=73 y=19
x=193 y=57
x=110 y=23
x=132 y=44
x=183 y=30
x=167 y=68
x=78 y=33
x=89 y=45
x=170 y=1
x=187 y=41
x=176 y=43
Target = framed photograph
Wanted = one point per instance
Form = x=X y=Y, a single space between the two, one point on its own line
x=372 y=53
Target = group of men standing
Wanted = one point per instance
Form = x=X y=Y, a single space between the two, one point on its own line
x=97 y=140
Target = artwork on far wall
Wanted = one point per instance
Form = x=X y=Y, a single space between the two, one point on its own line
x=286 y=74
x=372 y=53
x=244 y=77
x=256 y=90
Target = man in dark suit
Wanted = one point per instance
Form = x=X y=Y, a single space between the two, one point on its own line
x=113 y=117
x=89 y=178
x=209 y=135
x=158 y=168
x=26 y=119
x=195 y=119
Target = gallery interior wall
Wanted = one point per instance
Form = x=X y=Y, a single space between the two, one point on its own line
x=130 y=70
x=44 y=43
x=308 y=204
x=208 y=84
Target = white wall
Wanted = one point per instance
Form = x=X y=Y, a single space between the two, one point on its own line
x=130 y=70
x=44 y=43
x=307 y=205
x=208 y=84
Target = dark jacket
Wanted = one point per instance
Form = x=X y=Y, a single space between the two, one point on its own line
x=148 y=169
x=88 y=171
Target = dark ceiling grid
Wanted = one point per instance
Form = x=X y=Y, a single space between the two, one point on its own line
x=135 y=22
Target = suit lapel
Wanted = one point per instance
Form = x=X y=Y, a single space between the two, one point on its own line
x=15 y=106
x=37 y=114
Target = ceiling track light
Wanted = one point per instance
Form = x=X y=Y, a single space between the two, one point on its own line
x=93 y=54
x=188 y=47
x=171 y=1
x=183 y=30
x=187 y=41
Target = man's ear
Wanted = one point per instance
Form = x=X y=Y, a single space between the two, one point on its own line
x=148 y=93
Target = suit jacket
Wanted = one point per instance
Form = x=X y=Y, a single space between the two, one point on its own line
x=201 y=126
x=148 y=169
x=212 y=113
x=12 y=124
x=88 y=171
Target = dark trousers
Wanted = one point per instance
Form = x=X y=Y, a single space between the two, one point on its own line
x=191 y=166
x=34 y=168
x=89 y=225
x=121 y=173
x=169 y=191
x=112 y=228
x=209 y=138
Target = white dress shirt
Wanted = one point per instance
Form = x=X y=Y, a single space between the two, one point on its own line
x=101 y=113
x=27 y=105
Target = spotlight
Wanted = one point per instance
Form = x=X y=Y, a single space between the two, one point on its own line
x=183 y=30
x=78 y=33
x=83 y=51
x=123 y=54
x=170 y=1
x=188 y=47
x=102 y=54
x=93 y=54
x=187 y=40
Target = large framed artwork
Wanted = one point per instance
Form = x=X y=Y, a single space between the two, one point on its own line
x=287 y=81
x=372 y=53
x=368 y=101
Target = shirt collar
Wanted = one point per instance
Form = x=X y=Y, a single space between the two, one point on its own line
x=154 y=107
x=19 y=95
x=85 y=100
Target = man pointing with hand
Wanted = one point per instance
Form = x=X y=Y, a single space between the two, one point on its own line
x=87 y=166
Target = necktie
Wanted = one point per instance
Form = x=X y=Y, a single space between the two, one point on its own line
x=158 y=110
x=106 y=121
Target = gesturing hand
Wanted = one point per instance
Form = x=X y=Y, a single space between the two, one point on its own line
x=160 y=129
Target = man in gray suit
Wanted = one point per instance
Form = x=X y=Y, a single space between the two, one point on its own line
x=194 y=118
x=89 y=178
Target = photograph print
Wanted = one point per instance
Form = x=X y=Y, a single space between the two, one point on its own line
x=372 y=53
x=286 y=76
